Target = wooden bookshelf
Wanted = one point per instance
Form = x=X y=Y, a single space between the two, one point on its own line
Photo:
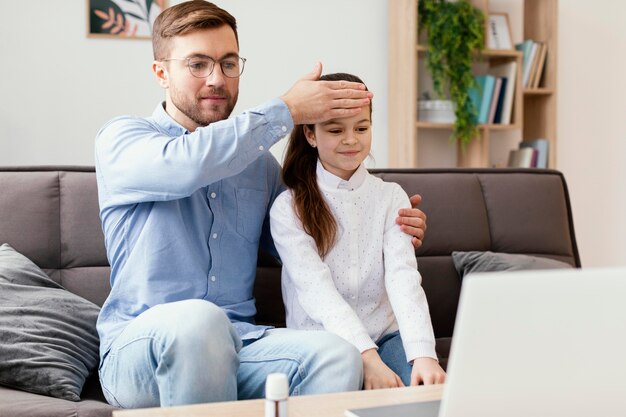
x=534 y=110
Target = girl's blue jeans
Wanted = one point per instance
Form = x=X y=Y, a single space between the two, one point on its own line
x=392 y=353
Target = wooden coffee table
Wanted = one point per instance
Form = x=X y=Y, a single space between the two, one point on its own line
x=327 y=405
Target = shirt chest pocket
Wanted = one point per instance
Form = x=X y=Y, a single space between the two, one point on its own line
x=251 y=211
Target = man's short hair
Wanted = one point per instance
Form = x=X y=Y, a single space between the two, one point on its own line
x=185 y=18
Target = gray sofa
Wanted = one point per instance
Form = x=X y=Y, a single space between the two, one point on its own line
x=50 y=215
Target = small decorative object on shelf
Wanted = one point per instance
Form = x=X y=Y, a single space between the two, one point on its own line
x=436 y=111
x=455 y=33
x=499 y=32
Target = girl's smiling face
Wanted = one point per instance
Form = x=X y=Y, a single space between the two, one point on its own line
x=342 y=144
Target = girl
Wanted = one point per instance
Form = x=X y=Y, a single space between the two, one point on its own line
x=347 y=267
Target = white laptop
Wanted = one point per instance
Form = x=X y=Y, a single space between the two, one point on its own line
x=533 y=344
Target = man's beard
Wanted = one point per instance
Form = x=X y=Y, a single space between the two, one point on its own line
x=195 y=112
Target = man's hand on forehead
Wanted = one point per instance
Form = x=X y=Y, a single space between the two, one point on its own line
x=311 y=101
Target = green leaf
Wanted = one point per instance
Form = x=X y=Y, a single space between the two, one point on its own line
x=455 y=33
x=148 y=6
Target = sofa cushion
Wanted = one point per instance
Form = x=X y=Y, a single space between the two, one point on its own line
x=487 y=261
x=17 y=403
x=48 y=342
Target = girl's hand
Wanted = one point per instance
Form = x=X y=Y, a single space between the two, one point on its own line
x=376 y=374
x=427 y=371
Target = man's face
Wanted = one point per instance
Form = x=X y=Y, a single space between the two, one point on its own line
x=194 y=102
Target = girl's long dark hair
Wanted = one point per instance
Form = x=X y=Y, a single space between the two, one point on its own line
x=299 y=175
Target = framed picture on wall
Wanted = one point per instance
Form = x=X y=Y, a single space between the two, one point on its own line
x=499 y=32
x=122 y=19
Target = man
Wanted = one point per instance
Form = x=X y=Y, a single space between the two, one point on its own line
x=184 y=199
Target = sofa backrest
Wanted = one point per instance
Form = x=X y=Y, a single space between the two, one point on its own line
x=513 y=211
x=505 y=210
x=50 y=214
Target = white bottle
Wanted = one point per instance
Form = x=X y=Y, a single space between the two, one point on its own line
x=276 y=393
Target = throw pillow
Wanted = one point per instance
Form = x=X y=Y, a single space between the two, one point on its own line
x=48 y=339
x=476 y=261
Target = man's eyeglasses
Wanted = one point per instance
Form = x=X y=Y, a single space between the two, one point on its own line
x=202 y=67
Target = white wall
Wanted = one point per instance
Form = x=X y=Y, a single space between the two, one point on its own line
x=57 y=87
x=592 y=124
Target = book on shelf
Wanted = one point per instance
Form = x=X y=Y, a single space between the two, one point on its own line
x=528 y=49
x=533 y=61
x=482 y=95
x=530 y=154
x=522 y=158
x=542 y=146
x=494 y=100
x=533 y=65
x=541 y=61
x=501 y=97
x=508 y=72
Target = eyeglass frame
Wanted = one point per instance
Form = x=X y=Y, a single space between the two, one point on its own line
x=240 y=58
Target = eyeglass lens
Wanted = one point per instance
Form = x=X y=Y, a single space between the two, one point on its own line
x=203 y=67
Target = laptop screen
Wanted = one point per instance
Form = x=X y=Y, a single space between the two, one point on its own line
x=539 y=343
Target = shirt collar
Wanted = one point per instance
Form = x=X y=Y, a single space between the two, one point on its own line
x=166 y=121
x=334 y=182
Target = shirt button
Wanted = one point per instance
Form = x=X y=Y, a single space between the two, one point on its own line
x=284 y=128
x=213 y=195
x=213 y=278
x=214 y=235
x=261 y=148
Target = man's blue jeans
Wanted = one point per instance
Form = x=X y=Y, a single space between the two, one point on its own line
x=187 y=352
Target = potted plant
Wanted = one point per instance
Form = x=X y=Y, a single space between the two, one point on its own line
x=456 y=31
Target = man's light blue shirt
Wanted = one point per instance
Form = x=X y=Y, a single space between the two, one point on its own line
x=183 y=213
